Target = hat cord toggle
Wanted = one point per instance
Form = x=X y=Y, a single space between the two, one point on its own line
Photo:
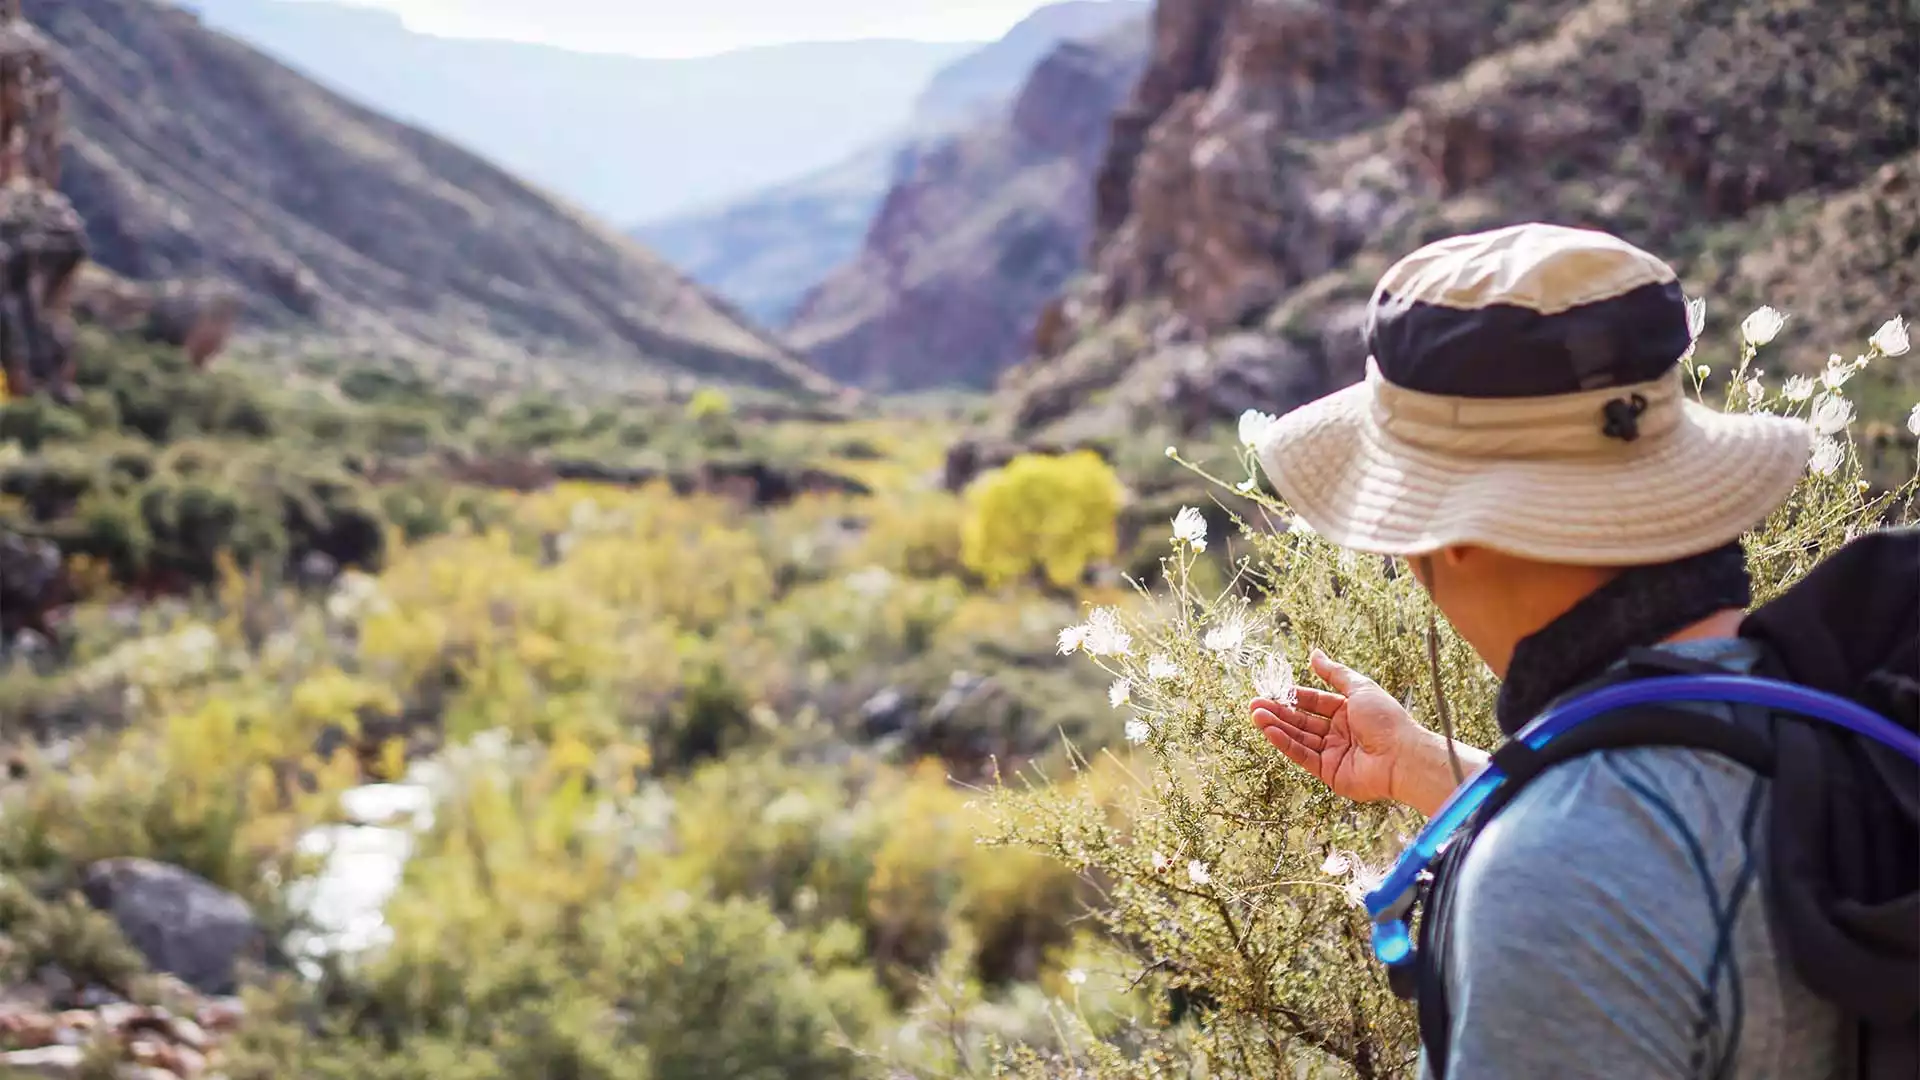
x=1623 y=417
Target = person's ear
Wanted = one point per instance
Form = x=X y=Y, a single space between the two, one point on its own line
x=1458 y=555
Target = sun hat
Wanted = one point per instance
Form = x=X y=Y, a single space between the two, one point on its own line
x=1524 y=393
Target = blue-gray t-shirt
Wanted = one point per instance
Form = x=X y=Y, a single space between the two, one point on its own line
x=1611 y=922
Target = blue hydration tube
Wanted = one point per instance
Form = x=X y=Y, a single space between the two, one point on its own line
x=1391 y=902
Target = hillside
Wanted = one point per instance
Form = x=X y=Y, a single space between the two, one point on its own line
x=1255 y=187
x=191 y=153
x=977 y=235
x=596 y=128
x=765 y=251
x=977 y=85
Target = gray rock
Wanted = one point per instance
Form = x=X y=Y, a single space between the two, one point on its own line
x=1240 y=371
x=182 y=923
x=963 y=689
x=885 y=713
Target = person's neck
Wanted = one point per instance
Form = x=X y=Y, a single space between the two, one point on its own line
x=1721 y=624
x=1691 y=599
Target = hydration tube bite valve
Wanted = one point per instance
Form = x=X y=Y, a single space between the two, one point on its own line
x=1391 y=903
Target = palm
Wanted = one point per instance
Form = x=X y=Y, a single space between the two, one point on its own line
x=1350 y=740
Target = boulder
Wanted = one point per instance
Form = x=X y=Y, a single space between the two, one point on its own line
x=885 y=713
x=1239 y=371
x=182 y=923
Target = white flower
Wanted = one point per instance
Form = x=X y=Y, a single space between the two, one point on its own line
x=1160 y=668
x=1831 y=414
x=1246 y=486
x=1105 y=636
x=1889 y=340
x=1361 y=878
x=1762 y=326
x=1229 y=635
x=1191 y=527
x=1826 y=457
x=1253 y=427
x=1913 y=420
x=1837 y=373
x=1756 y=392
x=1173 y=451
x=1703 y=370
x=1077 y=977
x=1696 y=322
x=1365 y=880
x=1798 y=388
x=1137 y=732
x=1274 y=680
x=1120 y=692
x=873 y=582
x=1198 y=873
x=1073 y=638
x=1161 y=864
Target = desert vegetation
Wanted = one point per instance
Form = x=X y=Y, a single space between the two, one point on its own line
x=866 y=779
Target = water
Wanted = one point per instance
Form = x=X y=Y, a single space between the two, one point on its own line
x=364 y=860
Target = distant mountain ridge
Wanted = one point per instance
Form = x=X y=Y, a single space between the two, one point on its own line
x=595 y=128
x=189 y=153
x=978 y=234
x=981 y=82
x=765 y=251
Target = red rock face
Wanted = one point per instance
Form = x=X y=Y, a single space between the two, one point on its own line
x=1277 y=154
x=1204 y=201
x=976 y=236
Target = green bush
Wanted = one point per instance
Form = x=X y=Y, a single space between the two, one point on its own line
x=37 y=421
x=65 y=933
x=667 y=989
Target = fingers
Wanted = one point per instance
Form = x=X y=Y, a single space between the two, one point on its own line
x=1297 y=752
x=1309 y=719
x=1337 y=675
x=1268 y=720
x=1317 y=702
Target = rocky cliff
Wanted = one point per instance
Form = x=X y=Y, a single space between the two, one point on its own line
x=976 y=233
x=191 y=154
x=765 y=252
x=1277 y=155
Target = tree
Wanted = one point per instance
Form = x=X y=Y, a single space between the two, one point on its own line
x=1056 y=513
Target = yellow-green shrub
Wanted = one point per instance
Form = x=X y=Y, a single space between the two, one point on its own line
x=918 y=535
x=1053 y=513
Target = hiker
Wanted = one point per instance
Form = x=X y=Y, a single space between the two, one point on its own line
x=1522 y=442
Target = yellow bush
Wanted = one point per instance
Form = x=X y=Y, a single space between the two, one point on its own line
x=709 y=404
x=918 y=535
x=1054 y=513
x=333 y=697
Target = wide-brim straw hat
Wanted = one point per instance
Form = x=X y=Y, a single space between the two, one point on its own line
x=1524 y=393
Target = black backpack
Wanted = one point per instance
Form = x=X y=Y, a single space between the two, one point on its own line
x=1843 y=868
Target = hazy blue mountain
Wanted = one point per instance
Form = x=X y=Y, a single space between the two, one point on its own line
x=189 y=153
x=766 y=250
x=626 y=138
x=984 y=80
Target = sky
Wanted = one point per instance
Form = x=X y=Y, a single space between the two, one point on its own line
x=681 y=28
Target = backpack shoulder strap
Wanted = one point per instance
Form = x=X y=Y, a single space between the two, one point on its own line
x=1745 y=741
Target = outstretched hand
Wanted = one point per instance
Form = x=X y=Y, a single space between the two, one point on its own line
x=1353 y=738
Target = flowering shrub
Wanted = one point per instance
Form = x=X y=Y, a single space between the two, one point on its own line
x=1056 y=513
x=1230 y=881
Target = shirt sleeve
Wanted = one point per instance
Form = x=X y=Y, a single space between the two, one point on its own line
x=1588 y=936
